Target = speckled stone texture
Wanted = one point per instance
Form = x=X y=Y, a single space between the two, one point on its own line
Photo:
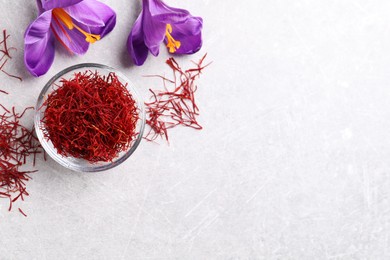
x=293 y=161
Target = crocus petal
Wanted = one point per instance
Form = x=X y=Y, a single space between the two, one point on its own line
x=135 y=43
x=166 y=14
x=39 y=45
x=189 y=34
x=40 y=8
x=154 y=30
x=51 y=4
x=73 y=40
x=97 y=16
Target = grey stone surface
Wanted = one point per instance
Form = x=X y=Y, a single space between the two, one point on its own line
x=293 y=161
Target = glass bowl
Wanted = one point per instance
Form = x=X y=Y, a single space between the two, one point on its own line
x=77 y=164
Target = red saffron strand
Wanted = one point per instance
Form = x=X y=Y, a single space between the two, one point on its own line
x=90 y=116
x=171 y=108
x=6 y=51
x=21 y=211
x=3 y=64
x=16 y=143
x=11 y=75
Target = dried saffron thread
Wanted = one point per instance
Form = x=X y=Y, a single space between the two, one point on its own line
x=11 y=75
x=21 y=211
x=16 y=144
x=90 y=116
x=171 y=108
x=6 y=51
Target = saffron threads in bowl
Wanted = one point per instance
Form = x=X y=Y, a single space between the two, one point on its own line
x=17 y=142
x=90 y=117
x=175 y=106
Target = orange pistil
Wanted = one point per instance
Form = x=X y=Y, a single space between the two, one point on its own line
x=59 y=14
x=172 y=44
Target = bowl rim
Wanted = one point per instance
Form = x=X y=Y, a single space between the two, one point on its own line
x=60 y=159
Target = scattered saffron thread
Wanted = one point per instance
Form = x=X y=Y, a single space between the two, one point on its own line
x=90 y=116
x=6 y=51
x=17 y=142
x=21 y=211
x=176 y=105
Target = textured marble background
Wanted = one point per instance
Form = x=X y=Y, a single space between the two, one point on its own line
x=293 y=161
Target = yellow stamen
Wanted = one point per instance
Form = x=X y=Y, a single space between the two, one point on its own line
x=172 y=44
x=65 y=18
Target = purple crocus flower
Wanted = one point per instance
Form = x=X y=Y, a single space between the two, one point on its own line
x=181 y=32
x=74 y=23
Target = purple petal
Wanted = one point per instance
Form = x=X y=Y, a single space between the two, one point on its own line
x=154 y=30
x=135 y=43
x=73 y=40
x=97 y=16
x=190 y=44
x=51 y=4
x=189 y=34
x=39 y=45
x=40 y=8
x=166 y=14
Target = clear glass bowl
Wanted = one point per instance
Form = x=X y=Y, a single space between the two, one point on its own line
x=76 y=164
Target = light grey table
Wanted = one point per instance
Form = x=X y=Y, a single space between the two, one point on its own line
x=293 y=161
